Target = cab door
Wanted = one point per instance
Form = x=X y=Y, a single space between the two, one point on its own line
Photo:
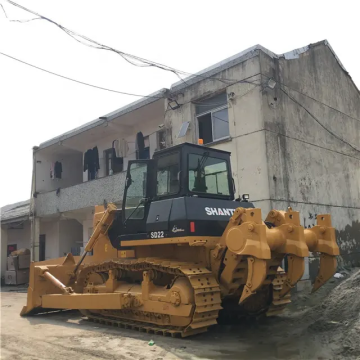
x=139 y=191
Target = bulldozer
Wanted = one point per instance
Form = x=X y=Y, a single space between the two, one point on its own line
x=182 y=251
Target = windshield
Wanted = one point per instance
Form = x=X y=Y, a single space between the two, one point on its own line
x=136 y=191
x=168 y=168
x=208 y=175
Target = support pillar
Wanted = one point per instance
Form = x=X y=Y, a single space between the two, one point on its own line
x=35 y=239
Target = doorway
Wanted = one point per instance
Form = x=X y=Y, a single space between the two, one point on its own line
x=11 y=248
x=42 y=241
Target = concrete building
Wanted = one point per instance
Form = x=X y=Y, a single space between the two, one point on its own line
x=15 y=230
x=56 y=238
x=291 y=122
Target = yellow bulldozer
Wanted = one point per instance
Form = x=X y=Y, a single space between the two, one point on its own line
x=181 y=250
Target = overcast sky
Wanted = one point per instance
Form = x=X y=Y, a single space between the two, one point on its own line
x=187 y=35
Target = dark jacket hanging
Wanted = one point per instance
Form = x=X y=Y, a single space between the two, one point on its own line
x=96 y=158
x=87 y=159
x=91 y=162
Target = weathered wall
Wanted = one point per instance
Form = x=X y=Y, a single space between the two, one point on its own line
x=247 y=141
x=70 y=235
x=309 y=168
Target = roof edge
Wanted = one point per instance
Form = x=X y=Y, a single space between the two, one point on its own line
x=108 y=117
x=189 y=81
x=218 y=67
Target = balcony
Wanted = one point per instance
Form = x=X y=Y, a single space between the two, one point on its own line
x=83 y=195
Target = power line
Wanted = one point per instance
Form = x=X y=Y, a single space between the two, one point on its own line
x=139 y=61
x=312 y=98
x=81 y=82
x=19 y=21
x=314 y=117
x=320 y=102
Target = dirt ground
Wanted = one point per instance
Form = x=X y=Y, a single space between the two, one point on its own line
x=66 y=335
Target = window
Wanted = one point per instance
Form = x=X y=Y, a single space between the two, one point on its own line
x=108 y=160
x=213 y=119
x=168 y=168
x=208 y=175
x=136 y=191
x=113 y=164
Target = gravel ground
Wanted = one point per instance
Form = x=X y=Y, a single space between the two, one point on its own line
x=66 y=335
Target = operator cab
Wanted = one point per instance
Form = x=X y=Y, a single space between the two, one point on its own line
x=180 y=185
x=192 y=170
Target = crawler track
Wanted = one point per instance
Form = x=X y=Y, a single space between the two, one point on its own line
x=206 y=294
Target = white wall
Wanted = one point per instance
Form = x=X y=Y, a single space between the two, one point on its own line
x=71 y=170
x=70 y=235
x=51 y=231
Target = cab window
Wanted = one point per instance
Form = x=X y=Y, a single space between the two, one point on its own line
x=167 y=176
x=208 y=175
x=136 y=191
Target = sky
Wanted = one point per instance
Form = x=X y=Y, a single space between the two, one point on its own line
x=187 y=35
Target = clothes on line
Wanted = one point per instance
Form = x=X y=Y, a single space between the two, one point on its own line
x=52 y=175
x=91 y=162
x=55 y=170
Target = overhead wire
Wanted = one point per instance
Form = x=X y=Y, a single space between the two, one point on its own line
x=319 y=122
x=80 y=82
x=320 y=102
x=126 y=56
x=143 y=63
x=19 y=21
x=314 y=99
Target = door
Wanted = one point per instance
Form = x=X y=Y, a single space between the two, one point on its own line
x=139 y=189
x=42 y=247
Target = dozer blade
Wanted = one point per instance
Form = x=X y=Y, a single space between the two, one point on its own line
x=327 y=269
x=48 y=277
x=295 y=272
x=256 y=277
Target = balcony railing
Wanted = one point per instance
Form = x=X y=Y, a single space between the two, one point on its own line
x=87 y=194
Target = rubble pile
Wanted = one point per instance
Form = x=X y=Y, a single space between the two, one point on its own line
x=338 y=318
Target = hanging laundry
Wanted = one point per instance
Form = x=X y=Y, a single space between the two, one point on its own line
x=96 y=158
x=91 y=162
x=123 y=148
x=87 y=159
x=57 y=170
x=116 y=161
x=52 y=175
